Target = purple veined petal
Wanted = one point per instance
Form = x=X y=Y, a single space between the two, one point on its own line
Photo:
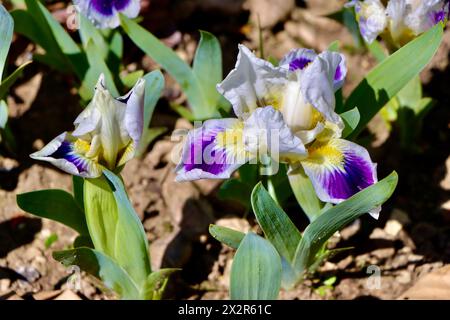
x=298 y=59
x=338 y=169
x=105 y=13
x=61 y=152
x=213 y=151
x=252 y=83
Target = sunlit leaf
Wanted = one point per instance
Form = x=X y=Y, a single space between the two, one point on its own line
x=256 y=270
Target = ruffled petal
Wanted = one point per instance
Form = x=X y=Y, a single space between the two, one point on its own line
x=338 y=169
x=317 y=85
x=134 y=112
x=265 y=131
x=213 y=151
x=62 y=153
x=371 y=15
x=298 y=59
x=252 y=83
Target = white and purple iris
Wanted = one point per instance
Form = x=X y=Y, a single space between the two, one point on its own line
x=105 y=13
x=288 y=111
x=106 y=134
x=401 y=20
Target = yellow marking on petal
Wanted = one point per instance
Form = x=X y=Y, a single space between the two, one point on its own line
x=325 y=154
x=232 y=140
x=274 y=99
x=81 y=146
x=316 y=117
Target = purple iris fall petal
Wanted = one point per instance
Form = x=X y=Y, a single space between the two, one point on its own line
x=105 y=13
x=338 y=169
x=205 y=155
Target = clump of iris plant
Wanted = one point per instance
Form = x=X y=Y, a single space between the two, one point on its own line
x=398 y=21
x=105 y=13
x=288 y=111
x=112 y=244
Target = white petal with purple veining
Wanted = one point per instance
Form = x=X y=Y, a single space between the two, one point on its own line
x=213 y=151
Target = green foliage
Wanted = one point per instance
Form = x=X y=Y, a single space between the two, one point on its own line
x=256 y=270
x=114 y=225
x=199 y=82
x=57 y=205
x=298 y=254
x=391 y=75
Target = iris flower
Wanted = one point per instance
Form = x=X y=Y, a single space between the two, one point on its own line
x=106 y=135
x=401 y=20
x=288 y=110
x=105 y=13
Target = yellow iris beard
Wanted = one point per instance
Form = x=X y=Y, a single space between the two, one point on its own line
x=81 y=146
x=325 y=154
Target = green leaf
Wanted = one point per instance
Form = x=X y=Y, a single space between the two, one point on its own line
x=277 y=226
x=131 y=78
x=154 y=85
x=60 y=41
x=156 y=283
x=102 y=267
x=411 y=94
x=377 y=50
x=334 y=219
x=183 y=111
x=231 y=238
x=176 y=67
x=347 y=17
x=50 y=240
x=54 y=204
x=334 y=46
x=83 y=241
x=77 y=187
x=11 y=79
x=97 y=66
x=305 y=194
x=351 y=119
x=390 y=76
x=236 y=190
x=131 y=244
x=6 y=32
x=207 y=66
x=256 y=270
x=90 y=33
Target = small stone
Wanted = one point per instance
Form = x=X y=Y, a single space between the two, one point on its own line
x=378 y=233
x=383 y=253
x=345 y=263
x=4 y=285
x=393 y=227
x=433 y=286
x=404 y=277
x=46 y=295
